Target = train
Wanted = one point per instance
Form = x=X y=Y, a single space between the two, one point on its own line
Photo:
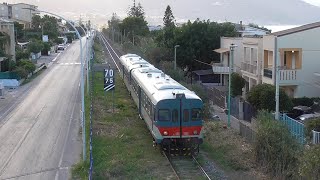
x=172 y=113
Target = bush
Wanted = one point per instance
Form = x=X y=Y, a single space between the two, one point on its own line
x=275 y=148
x=262 y=97
x=27 y=65
x=312 y=125
x=309 y=166
x=237 y=83
x=22 y=72
x=304 y=101
x=22 y=55
x=35 y=46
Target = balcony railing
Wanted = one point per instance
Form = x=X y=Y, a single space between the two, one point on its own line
x=284 y=75
x=220 y=68
x=249 y=67
x=288 y=75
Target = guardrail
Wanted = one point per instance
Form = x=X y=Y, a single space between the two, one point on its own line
x=315 y=137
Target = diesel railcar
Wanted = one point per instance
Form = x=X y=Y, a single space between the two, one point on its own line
x=172 y=113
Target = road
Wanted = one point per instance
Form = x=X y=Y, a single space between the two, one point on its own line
x=39 y=138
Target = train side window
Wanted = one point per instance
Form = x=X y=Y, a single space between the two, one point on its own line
x=186 y=115
x=196 y=114
x=175 y=115
x=164 y=115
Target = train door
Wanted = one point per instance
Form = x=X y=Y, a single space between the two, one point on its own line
x=184 y=113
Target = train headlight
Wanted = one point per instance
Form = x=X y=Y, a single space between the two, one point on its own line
x=165 y=133
x=195 y=132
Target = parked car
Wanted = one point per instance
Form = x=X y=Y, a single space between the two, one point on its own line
x=299 y=110
x=61 y=47
x=305 y=117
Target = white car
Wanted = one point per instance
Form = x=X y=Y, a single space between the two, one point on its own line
x=61 y=47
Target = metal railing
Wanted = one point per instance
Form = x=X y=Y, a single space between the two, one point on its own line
x=245 y=66
x=296 y=128
x=315 y=137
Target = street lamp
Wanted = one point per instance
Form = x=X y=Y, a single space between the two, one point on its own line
x=175 y=56
x=232 y=46
x=81 y=81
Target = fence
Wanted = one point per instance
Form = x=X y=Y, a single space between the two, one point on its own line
x=315 y=137
x=90 y=137
x=248 y=111
x=234 y=107
x=216 y=96
x=247 y=133
x=296 y=128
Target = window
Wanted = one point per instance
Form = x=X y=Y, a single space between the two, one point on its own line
x=196 y=115
x=175 y=115
x=186 y=115
x=164 y=115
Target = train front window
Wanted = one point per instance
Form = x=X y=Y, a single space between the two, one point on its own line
x=164 y=115
x=196 y=114
x=175 y=115
x=186 y=115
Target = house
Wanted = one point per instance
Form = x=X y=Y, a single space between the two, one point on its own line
x=20 y=12
x=298 y=53
x=7 y=28
x=251 y=64
x=248 y=30
x=222 y=68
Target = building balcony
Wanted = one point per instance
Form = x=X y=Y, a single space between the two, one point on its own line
x=247 y=67
x=219 y=68
x=288 y=76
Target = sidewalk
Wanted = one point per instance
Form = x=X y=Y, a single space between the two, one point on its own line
x=235 y=123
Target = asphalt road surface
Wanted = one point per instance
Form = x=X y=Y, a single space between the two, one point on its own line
x=39 y=138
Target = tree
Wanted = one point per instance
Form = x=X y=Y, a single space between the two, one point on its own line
x=168 y=19
x=197 y=40
x=114 y=23
x=134 y=26
x=136 y=11
x=262 y=97
x=36 y=22
x=50 y=26
x=18 y=28
x=237 y=83
x=35 y=46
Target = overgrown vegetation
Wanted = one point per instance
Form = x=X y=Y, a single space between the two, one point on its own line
x=275 y=148
x=309 y=166
x=310 y=125
x=262 y=97
x=23 y=68
x=237 y=83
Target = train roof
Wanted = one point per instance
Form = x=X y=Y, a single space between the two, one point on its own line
x=160 y=86
x=155 y=83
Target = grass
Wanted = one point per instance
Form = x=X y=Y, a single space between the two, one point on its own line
x=122 y=144
x=226 y=148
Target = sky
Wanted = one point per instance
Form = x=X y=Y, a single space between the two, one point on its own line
x=101 y=10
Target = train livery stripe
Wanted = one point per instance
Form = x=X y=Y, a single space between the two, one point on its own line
x=175 y=131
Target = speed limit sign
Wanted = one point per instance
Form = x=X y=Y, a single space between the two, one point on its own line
x=109 y=80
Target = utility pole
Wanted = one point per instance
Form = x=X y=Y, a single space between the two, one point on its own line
x=277 y=76
x=232 y=46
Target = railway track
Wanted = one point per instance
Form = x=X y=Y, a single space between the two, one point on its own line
x=184 y=167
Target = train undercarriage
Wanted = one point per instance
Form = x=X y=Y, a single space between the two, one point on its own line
x=181 y=146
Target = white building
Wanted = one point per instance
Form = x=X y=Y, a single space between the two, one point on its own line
x=19 y=12
x=298 y=52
